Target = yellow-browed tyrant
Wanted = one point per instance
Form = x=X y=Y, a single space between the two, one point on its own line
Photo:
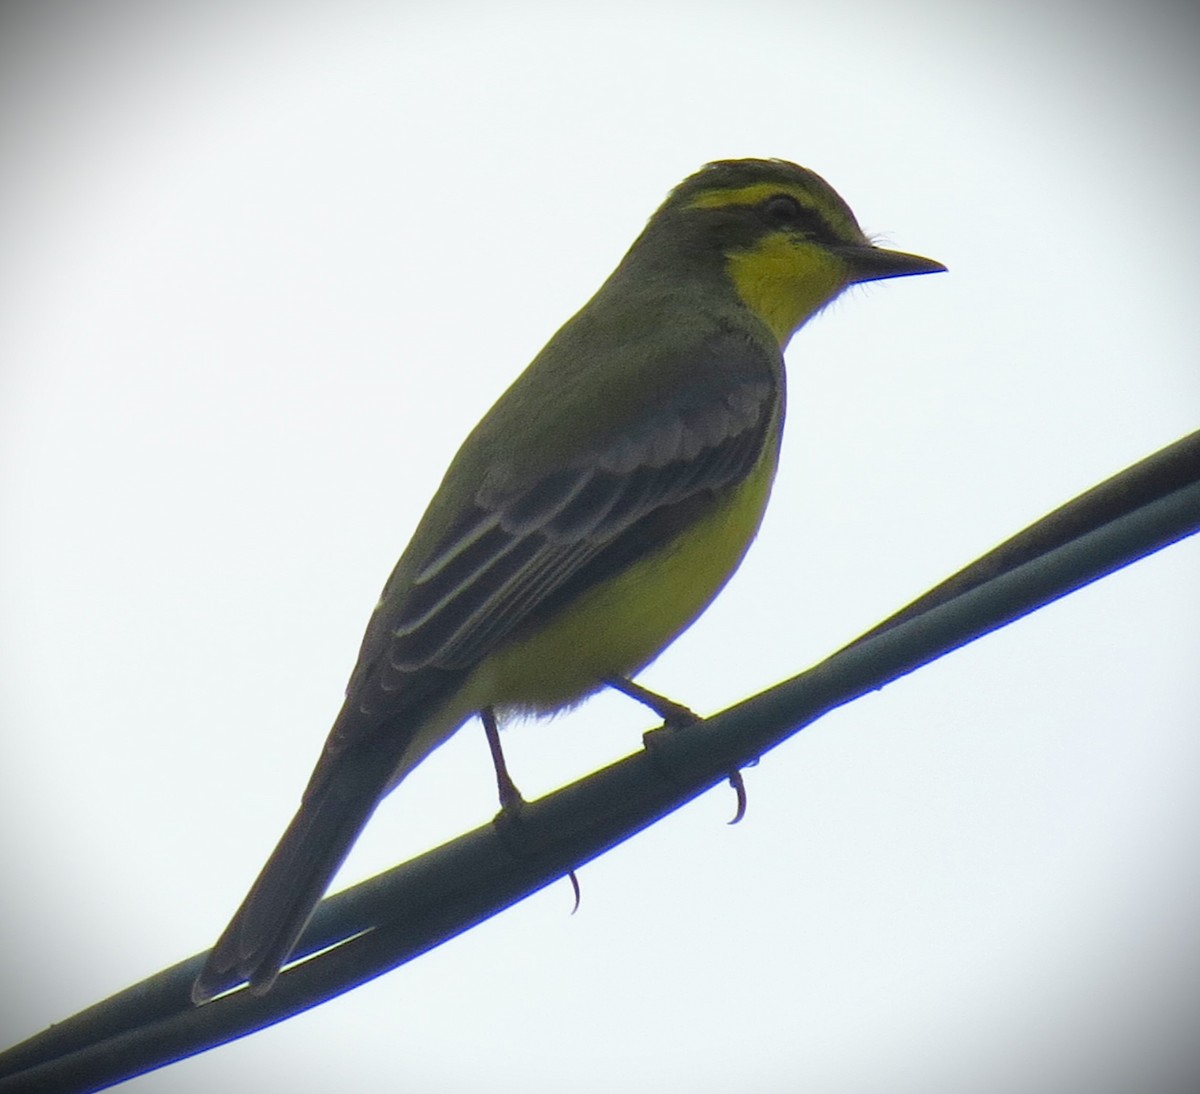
x=587 y=520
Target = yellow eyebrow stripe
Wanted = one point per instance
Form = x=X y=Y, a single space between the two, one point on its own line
x=748 y=195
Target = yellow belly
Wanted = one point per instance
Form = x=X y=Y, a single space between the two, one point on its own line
x=621 y=625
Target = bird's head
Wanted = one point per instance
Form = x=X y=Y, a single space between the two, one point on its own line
x=785 y=238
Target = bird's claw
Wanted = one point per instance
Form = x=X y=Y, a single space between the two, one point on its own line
x=739 y=788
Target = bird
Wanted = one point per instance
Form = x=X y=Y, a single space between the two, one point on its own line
x=588 y=519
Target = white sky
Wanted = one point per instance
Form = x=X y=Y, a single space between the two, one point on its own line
x=262 y=267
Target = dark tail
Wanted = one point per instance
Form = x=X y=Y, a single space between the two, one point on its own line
x=264 y=930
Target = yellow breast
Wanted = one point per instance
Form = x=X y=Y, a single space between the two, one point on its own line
x=621 y=625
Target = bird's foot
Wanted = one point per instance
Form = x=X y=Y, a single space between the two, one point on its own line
x=675 y=717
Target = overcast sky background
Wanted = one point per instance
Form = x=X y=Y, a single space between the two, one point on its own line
x=261 y=268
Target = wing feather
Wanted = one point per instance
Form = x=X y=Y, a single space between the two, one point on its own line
x=514 y=549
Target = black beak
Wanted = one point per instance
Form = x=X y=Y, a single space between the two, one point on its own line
x=869 y=263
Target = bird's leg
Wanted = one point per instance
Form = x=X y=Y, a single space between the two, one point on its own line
x=510 y=797
x=675 y=716
x=511 y=801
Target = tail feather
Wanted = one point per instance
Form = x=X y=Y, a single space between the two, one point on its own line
x=264 y=930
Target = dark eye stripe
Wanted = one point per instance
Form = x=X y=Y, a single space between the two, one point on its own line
x=786 y=212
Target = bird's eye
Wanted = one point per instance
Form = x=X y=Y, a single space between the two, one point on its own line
x=784 y=211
